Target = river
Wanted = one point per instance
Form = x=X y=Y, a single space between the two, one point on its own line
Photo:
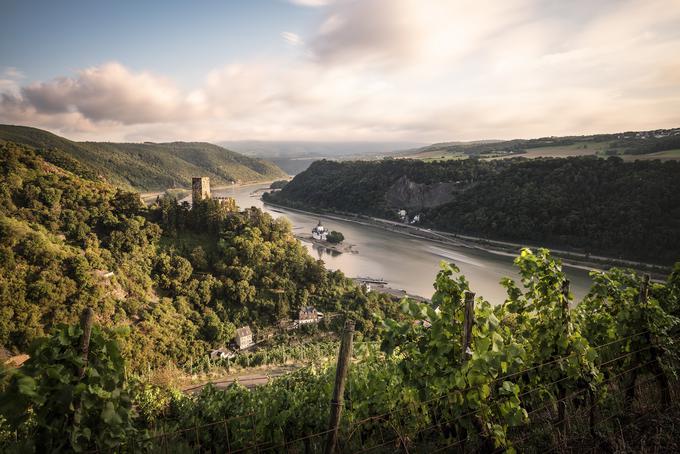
x=404 y=262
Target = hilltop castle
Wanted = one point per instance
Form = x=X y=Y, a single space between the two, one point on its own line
x=200 y=189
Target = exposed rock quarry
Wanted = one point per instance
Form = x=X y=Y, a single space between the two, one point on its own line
x=404 y=193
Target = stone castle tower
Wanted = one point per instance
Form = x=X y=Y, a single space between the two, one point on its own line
x=200 y=188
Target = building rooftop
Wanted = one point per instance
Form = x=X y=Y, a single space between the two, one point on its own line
x=244 y=331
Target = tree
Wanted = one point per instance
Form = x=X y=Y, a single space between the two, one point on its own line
x=335 y=237
x=215 y=330
x=199 y=259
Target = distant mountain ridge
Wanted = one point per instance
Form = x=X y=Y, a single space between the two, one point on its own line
x=318 y=149
x=295 y=156
x=144 y=166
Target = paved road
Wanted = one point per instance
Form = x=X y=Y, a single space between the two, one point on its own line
x=247 y=380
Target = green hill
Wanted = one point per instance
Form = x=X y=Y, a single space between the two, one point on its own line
x=143 y=166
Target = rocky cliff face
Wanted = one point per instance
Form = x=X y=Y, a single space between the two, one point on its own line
x=406 y=194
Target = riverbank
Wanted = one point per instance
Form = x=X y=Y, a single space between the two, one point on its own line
x=570 y=258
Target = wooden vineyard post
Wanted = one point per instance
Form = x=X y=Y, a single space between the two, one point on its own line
x=593 y=412
x=656 y=368
x=344 y=357
x=86 y=320
x=468 y=322
x=562 y=391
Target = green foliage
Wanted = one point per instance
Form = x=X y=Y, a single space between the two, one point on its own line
x=335 y=237
x=278 y=184
x=542 y=321
x=56 y=409
x=433 y=359
x=625 y=313
x=153 y=403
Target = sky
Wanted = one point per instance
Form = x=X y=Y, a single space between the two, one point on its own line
x=339 y=70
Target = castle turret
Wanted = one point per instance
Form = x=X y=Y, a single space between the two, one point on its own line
x=200 y=188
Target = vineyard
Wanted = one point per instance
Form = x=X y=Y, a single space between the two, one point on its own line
x=538 y=373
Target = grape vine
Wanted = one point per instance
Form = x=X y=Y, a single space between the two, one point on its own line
x=423 y=385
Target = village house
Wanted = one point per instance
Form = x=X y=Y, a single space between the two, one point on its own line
x=320 y=232
x=308 y=315
x=244 y=337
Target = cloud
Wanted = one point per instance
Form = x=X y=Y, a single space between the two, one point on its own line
x=108 y=92
x=292 y=38
x=407 y=32
x=12 y=73
x=9 y=81
x=311 y=3
x=397 y=70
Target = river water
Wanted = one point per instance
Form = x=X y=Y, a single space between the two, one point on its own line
x=404 y=262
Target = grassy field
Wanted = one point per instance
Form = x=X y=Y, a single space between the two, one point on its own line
x=667 y=155
x=440 y=156
x=563 y=151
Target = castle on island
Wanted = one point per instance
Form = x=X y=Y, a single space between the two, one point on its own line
x=200 y=190
x=320 y=232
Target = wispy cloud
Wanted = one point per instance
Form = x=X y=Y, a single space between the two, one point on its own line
x=292 y=38
x=10 y=81
x=12 y=73
x=311 y=3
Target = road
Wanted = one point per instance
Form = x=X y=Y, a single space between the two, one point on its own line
x=249 y=380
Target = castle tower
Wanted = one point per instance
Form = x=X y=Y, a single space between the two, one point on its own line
x=200 y=188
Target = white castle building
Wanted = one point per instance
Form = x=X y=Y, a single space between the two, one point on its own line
x=320 y=232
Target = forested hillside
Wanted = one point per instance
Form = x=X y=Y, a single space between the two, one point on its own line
x=143 y=166
x=173 y=281
x=602 y=206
